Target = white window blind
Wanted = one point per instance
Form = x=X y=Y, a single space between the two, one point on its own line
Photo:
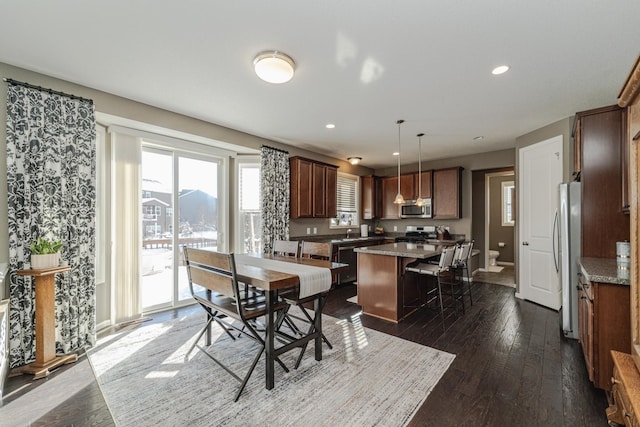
x=347 y=201
x=347 y=194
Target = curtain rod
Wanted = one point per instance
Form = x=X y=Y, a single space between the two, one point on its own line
x=44 y=89
x=276 y=149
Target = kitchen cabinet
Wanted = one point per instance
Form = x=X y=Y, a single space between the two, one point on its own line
x=604 y=321
x=447 y=193
x=313 y=188
x=577 y=149
x=601 y=133
x=371 y=197
x=426 y=178
x=389 y=191
x=624 y=408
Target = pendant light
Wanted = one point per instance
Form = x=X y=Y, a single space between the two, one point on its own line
x=419 y=201
x=399 y=200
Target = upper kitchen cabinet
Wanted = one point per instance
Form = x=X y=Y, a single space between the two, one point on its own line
x=447 y=193
x=313 y=188
x=602 y=136
x=389 y=190
x=426 y=178
x=371 y=197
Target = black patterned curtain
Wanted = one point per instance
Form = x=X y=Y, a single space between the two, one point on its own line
x=274 y=185
x=51 y=193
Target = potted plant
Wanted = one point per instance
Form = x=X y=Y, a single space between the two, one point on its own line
x=45 y=253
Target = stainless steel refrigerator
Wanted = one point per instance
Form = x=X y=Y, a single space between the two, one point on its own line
x=569 y=252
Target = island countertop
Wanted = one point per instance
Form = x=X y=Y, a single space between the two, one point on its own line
x=403 y=249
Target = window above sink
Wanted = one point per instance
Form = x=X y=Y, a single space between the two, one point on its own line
x=348 y=206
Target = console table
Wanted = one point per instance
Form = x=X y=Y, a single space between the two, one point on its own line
x=46 y=358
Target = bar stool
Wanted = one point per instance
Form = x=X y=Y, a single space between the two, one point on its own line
x=461 y=263
x=440 y=271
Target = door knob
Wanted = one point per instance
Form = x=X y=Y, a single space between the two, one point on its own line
x=525 y=243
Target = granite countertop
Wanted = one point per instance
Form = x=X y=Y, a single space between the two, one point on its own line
x=403 y=249
x=605 y=270
x=338 y=239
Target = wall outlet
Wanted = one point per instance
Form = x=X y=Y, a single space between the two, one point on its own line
x=308 y=230
x=315 y=230
x=395 y=228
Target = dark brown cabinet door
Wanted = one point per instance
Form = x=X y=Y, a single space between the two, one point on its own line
x=331 y=197
x=319 y=190
x=389 y=190
x=301 y=188
x=426 y=178
x=407 y=186
x=603 y=220
x=313 y=189
x=585 y=323
x=371 y=197
x=447 y=186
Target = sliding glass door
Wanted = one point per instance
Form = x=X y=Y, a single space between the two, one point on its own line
x=180 y=207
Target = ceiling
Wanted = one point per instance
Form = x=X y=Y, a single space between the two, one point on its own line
x=360 y=65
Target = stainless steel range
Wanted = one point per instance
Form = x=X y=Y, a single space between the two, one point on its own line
x=418 y=234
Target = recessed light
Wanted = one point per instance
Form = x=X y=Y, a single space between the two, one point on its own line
x=478 y=138
x=501 y=69
x=330 y=126
x=396 y=154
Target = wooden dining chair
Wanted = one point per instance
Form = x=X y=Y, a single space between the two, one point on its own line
x=289 y=248
x=313 y=250
x=218 y=293
x=317 y=250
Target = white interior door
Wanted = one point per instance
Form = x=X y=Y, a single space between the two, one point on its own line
x=540 y=174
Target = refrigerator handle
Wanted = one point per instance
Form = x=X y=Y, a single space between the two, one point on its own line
x=554 y=237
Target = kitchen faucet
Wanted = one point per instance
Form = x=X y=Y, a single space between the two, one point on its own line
x=348 y=232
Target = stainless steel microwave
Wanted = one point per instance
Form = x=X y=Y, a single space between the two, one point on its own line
x=411 y=210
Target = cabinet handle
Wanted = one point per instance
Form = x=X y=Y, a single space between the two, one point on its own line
x=626 y=414
x=583 y=297
x=614 y=381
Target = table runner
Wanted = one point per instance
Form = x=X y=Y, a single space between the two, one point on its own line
x=313 y=280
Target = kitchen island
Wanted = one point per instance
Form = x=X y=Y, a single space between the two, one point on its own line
x=380 y=277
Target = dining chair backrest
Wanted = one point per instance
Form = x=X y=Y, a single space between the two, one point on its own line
x=316 y=250
x=215 y=271
x=286 y=248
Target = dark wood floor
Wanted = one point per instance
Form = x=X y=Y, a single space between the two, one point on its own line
x=512 y=367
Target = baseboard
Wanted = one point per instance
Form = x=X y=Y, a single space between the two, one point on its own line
x=4 y=345
x=519 y=296
x=504 y=263
x=102 y=325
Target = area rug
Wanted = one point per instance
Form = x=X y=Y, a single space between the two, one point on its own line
x=495 y=268
x=369 y=378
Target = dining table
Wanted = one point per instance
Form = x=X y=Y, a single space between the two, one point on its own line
x=272 y=277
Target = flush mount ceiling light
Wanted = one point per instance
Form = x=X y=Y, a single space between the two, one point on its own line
x=501 y=69
x=330 y=126
x=274 y=67
x=419 y=200
x=354 y=160
x=399 y=200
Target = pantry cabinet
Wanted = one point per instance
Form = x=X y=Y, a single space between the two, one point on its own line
x=447 y=193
